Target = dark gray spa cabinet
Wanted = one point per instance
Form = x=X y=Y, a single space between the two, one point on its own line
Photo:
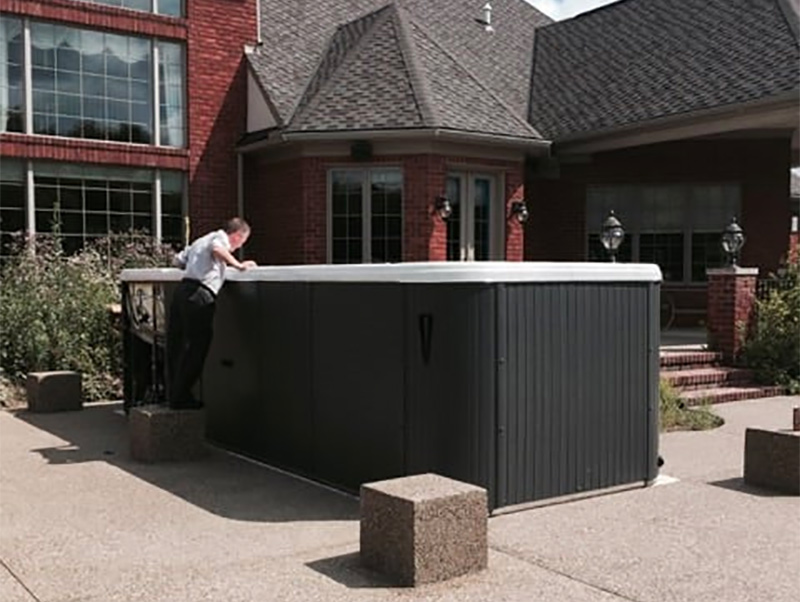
x=533 y=380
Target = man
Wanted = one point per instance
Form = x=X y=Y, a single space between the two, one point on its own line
x=191 y=315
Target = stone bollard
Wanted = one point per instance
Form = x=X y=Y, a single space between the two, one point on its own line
x=161 y=434
x=424 y=528
x=772 y=459
x=59 y=391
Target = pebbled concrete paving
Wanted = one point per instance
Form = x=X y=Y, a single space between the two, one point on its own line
x=79 y=521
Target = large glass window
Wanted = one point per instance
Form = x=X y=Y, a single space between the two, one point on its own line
x=171 y=110
x=677 y=226
x=82 y=202
x=11 y=79
x=366 y=215
x=90 y=84
x=12 y=202
x=172 y=186
x=172 y=8
x=93 y=84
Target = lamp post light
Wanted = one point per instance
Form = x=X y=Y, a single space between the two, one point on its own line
x=612 y=236
x=443 y=207
x=732 y=242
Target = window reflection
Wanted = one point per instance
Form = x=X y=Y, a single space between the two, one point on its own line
x=11 y=81
x=89 y=84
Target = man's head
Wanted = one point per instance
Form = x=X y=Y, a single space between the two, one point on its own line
x=238 y=231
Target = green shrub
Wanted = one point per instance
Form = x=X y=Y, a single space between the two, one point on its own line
x=674 y=416
x=54 y=309
x=772 y=345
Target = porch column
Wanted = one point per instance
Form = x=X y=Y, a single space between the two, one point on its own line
x=731 y=300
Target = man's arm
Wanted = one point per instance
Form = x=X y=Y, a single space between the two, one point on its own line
x=179 y=260
x=226 y=256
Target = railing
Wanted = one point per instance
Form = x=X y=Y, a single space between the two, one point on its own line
x=765 y=286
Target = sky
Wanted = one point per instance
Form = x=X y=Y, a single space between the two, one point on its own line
x=564 y=9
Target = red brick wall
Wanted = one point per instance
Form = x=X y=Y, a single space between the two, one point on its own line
x=286 y=204
x=557 y=229
x=90 y=151
x=100 y=16
x=215 y=32
x=731 y=300
x=218 y=30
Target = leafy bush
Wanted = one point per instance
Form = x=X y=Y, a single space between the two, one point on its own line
x=675 y=416
x=55 y=309
x=772 y=345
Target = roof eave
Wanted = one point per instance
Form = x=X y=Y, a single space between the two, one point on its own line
x=684 y=125
x=275 y=138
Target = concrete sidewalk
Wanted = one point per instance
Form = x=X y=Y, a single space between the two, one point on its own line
x=80 y=521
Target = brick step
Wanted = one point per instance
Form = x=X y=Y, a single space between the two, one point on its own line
x=683 y=360
x=726 y=394
x=704 y=378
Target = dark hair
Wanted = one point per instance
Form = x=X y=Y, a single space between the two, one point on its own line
x=236 y=224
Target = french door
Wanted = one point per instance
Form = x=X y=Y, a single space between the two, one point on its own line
x=471 y=228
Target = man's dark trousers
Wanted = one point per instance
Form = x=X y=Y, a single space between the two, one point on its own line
x=190 y=328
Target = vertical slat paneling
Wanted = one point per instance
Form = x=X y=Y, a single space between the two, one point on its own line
x=579 y=392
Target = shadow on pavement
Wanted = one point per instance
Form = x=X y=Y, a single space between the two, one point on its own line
x=347 y=570
x=738 y=484
x=220 y=483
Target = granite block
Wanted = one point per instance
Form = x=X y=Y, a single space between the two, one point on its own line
x=424 y=528
x=772 y=459
x=58 y=391
x=161 y=434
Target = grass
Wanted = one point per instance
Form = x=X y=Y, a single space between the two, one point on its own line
x=675 y=416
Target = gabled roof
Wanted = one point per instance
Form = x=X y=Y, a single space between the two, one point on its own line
x=329 y=65
x=638 y=60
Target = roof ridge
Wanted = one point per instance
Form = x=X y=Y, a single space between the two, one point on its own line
x=791 y=13
x=477 y=80
x=419 y=83
x=310 y=95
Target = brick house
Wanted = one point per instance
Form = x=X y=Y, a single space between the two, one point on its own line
x=342 y=129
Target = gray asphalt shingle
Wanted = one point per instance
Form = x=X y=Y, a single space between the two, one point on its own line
x=325 y=66
x=638 y=60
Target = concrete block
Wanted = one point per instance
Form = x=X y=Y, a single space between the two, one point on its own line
x=58 y=391
x=424 y=528
x=161 y=434
x=772 y=459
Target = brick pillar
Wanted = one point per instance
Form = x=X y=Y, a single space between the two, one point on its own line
x=731 y=299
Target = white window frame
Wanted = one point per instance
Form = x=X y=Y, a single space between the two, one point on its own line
x=366 y=207
x=497 y=213
x=27 y=83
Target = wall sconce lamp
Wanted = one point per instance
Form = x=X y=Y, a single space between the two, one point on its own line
x=520 y=211
x=732 y=242
x=443 y=207
x=612 y=235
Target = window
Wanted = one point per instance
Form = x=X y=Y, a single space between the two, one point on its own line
x=173 y=8
x=472 y=226
x=82 y=202
x=171 y=103
x=12 y=202
x=366 y=215
x=676 y=226
x=11 y=80
x=93 y=84
x=90 y=84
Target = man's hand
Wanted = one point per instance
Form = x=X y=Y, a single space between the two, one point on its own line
x=229 y=259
